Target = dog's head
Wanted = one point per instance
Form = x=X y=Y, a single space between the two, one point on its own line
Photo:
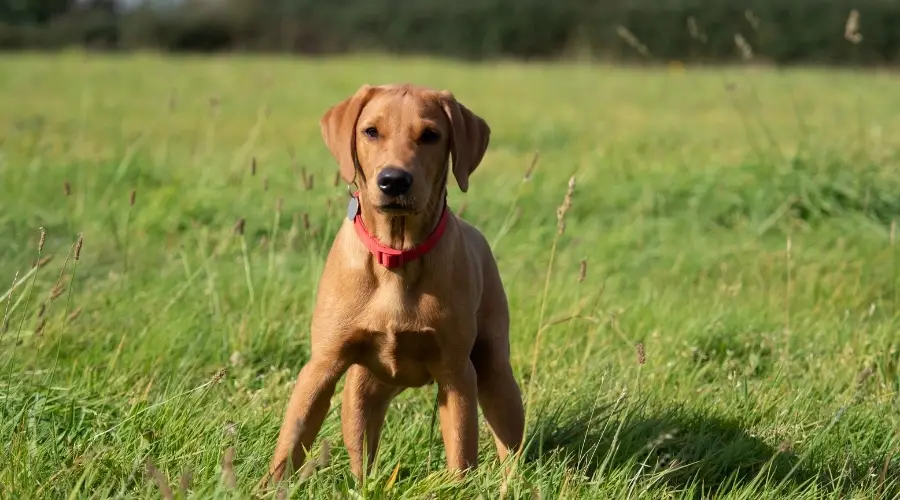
x=396 y=141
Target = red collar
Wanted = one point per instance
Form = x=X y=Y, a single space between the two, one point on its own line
x=390 y=257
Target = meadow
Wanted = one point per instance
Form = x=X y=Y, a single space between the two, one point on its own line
x=716 y=314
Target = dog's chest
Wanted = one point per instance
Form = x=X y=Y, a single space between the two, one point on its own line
x=400 y=337
x=400 y=358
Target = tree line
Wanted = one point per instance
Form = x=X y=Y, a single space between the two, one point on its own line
x=835 y=32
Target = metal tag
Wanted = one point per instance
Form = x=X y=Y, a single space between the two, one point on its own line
x=352 y=208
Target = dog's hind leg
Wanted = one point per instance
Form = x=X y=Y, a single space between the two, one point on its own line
x=498 y=393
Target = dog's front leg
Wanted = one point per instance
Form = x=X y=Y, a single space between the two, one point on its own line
x=363 y=410
x=458 y=400
x=305 y=413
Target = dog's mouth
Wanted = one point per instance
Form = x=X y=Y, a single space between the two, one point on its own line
x=396 y=208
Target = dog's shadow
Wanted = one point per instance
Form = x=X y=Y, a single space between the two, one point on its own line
x=677 y=447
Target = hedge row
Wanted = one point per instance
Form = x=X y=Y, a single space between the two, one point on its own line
x=782 y=31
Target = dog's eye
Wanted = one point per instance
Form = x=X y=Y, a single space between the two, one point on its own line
x=371 y=132
x=429 y=136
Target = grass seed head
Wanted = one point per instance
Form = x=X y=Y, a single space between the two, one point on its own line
x=78 y=246
x=15 y=279
x=42 y=239
x=785 y=447
x=184 y=484
x=41 y=262
x=39 y=327
x=57 y=290
x=308 y=469
x=132 y=197
x=863 y=375
x=504 y=487
x=632 y=41
x=566 y=205
x=582 y=270
x=228 y=477
x=743 y=46
x=325 y=454
x=161 y=482
x=851 y=29
x=752 y=19
x=67 y=188
x=532 y=166
x=253 y=166
x=694 y=30
x=239 y=226
x=74 y=314
x=641 y=355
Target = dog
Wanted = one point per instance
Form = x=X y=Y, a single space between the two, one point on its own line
x=410 y=294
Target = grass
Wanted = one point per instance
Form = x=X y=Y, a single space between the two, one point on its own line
x=737 y=224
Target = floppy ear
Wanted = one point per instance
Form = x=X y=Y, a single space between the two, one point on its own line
x=338 y=126
x=469 y=139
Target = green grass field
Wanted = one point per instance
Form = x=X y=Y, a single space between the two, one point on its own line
x=737 y=223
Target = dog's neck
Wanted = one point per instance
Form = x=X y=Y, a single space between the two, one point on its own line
x=404 y=232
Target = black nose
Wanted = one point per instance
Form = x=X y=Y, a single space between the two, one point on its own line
x=393 y=181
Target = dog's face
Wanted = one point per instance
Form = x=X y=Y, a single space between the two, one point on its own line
x=402 y=145
x=401 y=139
